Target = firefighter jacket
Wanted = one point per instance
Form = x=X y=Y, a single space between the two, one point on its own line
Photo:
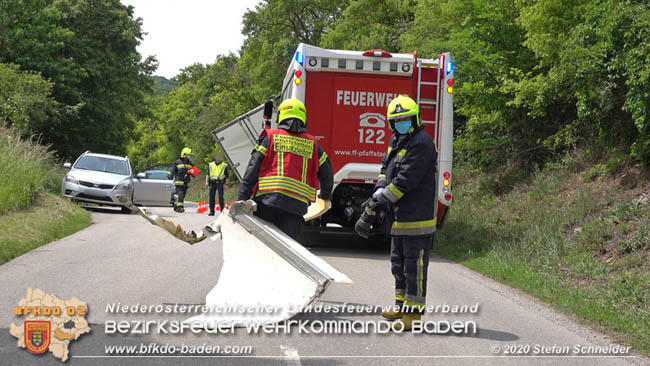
x=218 y=172
x=408 y=174
x=286 y=169
x=179 y=171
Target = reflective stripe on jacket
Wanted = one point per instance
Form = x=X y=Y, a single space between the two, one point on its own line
x=249 y=183
x=408 y=174
x=179 y=171
x=290 y=166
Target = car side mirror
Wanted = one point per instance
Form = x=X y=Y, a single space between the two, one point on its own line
x=141 y=175
x=67 y=165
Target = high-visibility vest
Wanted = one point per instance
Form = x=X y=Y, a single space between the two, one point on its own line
x=217 y=172
x=290 y=166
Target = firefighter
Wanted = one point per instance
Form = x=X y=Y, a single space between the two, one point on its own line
x=285 y=171
x=182 y=177
x=406 y=189
x=217 y=176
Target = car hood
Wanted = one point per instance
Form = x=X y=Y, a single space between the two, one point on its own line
x=97 y=177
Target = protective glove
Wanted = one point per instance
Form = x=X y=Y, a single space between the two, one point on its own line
x=362 y=227
x=379 y=203
x=367 y=203
x=364 y=224
x=378 y=192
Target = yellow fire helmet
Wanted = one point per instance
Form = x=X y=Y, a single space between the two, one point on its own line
x=403 y=106
x=185 y=152
x=292 y=108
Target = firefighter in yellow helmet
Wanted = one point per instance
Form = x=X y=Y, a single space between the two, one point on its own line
x=182 y=175
x=286 y=169
x=406 y=190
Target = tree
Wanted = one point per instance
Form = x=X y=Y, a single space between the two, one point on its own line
x=605 y=63
x=25 y=101
x=593 y=61
x=486 y=43
x=87 y=48
x=370 y=24
x=533 y=77
x=273 y=31
x=207 y=97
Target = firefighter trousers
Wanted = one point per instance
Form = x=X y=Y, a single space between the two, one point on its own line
x=214 y=187
x=180 y=197
x=289 y=223
x=409 y=257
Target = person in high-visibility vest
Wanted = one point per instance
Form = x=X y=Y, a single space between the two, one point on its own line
x=181 y=174
x=285 y=171
x=215 y=179
x=406 y=189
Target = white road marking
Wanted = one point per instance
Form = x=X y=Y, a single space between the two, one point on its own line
x=291 y=356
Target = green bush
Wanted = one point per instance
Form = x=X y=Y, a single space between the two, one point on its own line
x=595 y=172
x=616 y=164
x=26 y=168
x=638 y=242
x=626 y=246
x=26 y=101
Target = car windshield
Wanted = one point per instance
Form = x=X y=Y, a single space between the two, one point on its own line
x=101 y=164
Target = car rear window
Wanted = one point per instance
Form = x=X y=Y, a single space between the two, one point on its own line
x=102 y=164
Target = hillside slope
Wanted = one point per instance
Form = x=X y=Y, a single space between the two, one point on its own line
x=574 y=235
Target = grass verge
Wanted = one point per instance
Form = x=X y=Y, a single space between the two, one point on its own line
x=28 y=167
x=48 y=219
x=31 y=212
x=577 y=240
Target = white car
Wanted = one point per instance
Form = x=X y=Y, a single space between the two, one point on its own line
x=99 y=179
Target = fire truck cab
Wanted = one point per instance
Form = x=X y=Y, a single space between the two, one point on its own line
x=346 y=94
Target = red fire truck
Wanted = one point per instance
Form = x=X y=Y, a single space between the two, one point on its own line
x=346 y=94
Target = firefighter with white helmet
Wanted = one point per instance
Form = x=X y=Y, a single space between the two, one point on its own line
x=406 y=189
x=286 y=169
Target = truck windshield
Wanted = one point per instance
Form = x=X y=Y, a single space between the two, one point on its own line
x=102 y=164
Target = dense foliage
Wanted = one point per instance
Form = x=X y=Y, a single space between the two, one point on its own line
x=25 y=100
x=534 y=77
x=87 y=50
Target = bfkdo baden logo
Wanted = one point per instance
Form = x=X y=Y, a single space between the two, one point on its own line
x=37 y=335
x=49 y=323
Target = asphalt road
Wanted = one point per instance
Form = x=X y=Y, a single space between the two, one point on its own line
x=123 y=259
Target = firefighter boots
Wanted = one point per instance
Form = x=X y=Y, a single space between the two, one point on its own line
x=406 y=323
x=393 y=314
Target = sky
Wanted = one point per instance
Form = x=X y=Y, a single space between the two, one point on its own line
x=183 y=32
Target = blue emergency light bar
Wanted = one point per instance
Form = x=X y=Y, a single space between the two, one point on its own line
x=450 y=67
x=300 y=58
